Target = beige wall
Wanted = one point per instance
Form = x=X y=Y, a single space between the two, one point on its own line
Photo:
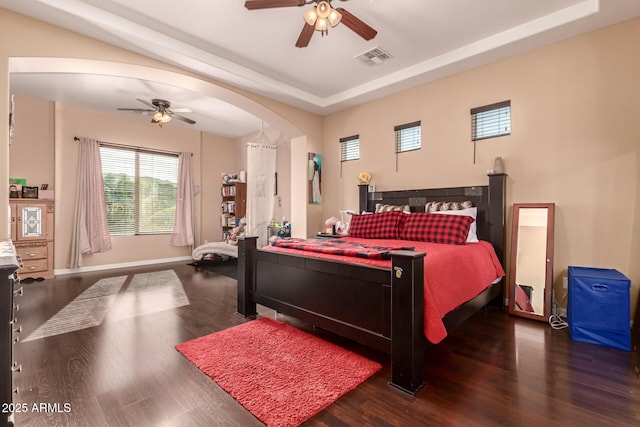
x=219 y=154
x=574 y=142
x=32 y=151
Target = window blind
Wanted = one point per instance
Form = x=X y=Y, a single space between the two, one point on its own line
x=408 y=137
x=140 y=189
x=350 y=148
x=491 y=121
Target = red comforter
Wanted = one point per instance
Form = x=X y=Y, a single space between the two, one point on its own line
x=453 y=275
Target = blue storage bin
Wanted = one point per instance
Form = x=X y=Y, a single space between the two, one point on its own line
x=598 y=307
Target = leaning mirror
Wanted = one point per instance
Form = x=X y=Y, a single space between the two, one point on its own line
x=531 y=260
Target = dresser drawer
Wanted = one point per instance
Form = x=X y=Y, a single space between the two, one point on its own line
x=33 y=266
x=32 y=252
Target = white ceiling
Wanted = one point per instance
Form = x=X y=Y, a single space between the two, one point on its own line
x=254 y=50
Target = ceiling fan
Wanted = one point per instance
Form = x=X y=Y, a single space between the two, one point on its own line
x=318 y=18
x=161 y=110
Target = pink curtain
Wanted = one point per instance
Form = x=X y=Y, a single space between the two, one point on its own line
x=91 y=229
x=182 y=234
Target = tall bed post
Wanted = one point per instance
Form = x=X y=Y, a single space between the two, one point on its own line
x=363 y=196
x=497 y=194
x=246 y=305
x=407 y=320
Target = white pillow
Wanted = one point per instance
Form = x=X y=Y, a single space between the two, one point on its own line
x=472 y=237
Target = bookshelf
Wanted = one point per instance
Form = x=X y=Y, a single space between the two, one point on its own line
x=233 y=206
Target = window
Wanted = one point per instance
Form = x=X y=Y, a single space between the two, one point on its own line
x=491 y=121
x=350 y=148
x=140 y=189
x=408 y=137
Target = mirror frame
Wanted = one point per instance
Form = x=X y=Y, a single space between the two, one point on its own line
x=513 y=258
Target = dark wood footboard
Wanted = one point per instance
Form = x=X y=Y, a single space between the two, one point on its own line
x=369 y=305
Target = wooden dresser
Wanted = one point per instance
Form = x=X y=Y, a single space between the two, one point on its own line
x=32 y=229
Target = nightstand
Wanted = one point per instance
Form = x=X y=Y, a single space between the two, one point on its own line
x=328 y=236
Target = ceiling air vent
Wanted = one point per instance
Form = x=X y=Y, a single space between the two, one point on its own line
x=373 y=57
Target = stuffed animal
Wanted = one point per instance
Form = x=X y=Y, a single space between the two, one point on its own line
x=236 y=232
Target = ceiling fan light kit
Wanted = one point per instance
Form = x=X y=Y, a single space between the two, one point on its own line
x=317 y=18
x=322 y=16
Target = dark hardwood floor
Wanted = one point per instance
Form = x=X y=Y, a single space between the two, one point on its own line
x=494 y=370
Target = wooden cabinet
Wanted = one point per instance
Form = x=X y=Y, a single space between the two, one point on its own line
x=234 y=205
x=32 y=235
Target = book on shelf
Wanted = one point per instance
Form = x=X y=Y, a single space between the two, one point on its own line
x=229 y=206
x=228 y=190
x=228 y=220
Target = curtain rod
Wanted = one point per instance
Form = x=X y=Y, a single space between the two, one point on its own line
x=112 y=144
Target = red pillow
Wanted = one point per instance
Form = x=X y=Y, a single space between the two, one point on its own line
x=437 y=228
x=383 y=225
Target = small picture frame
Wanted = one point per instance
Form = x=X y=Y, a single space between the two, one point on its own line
x=29 y=192
x=14 y=191
x=342 y=227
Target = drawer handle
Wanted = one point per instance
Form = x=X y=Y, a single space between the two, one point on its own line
x=32 y=254
x=600 y=288
x=18 y=293
x=32 y=267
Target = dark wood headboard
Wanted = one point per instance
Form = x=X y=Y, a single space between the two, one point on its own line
x=489 y=199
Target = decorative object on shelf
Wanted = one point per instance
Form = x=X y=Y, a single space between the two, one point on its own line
x=229 y=178
x=15 y=187
x=498 y=167
x=364 y=177
x=14 y=193
x=29 y=192
x=330 y=225
x=342 y=227
x=315 y=178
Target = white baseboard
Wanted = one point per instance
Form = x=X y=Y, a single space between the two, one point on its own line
x=63 y=271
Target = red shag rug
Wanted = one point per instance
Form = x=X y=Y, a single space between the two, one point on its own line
x=282 y=375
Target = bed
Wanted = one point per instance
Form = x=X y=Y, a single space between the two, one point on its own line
x=223 y=249
x=379 y=305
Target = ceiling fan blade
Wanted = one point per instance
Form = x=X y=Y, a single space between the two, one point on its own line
x=147 y=103
x=184 y=119
x=137 y=110
x=356 y=25
x=305 y=35
x=267 y=4
x=181 y=110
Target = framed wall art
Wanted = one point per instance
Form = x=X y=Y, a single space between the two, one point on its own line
x=315 y=178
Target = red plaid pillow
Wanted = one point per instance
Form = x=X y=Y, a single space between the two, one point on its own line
x=383 y=225
x=437 y=228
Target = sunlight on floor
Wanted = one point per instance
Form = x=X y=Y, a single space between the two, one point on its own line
x=146 y=293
